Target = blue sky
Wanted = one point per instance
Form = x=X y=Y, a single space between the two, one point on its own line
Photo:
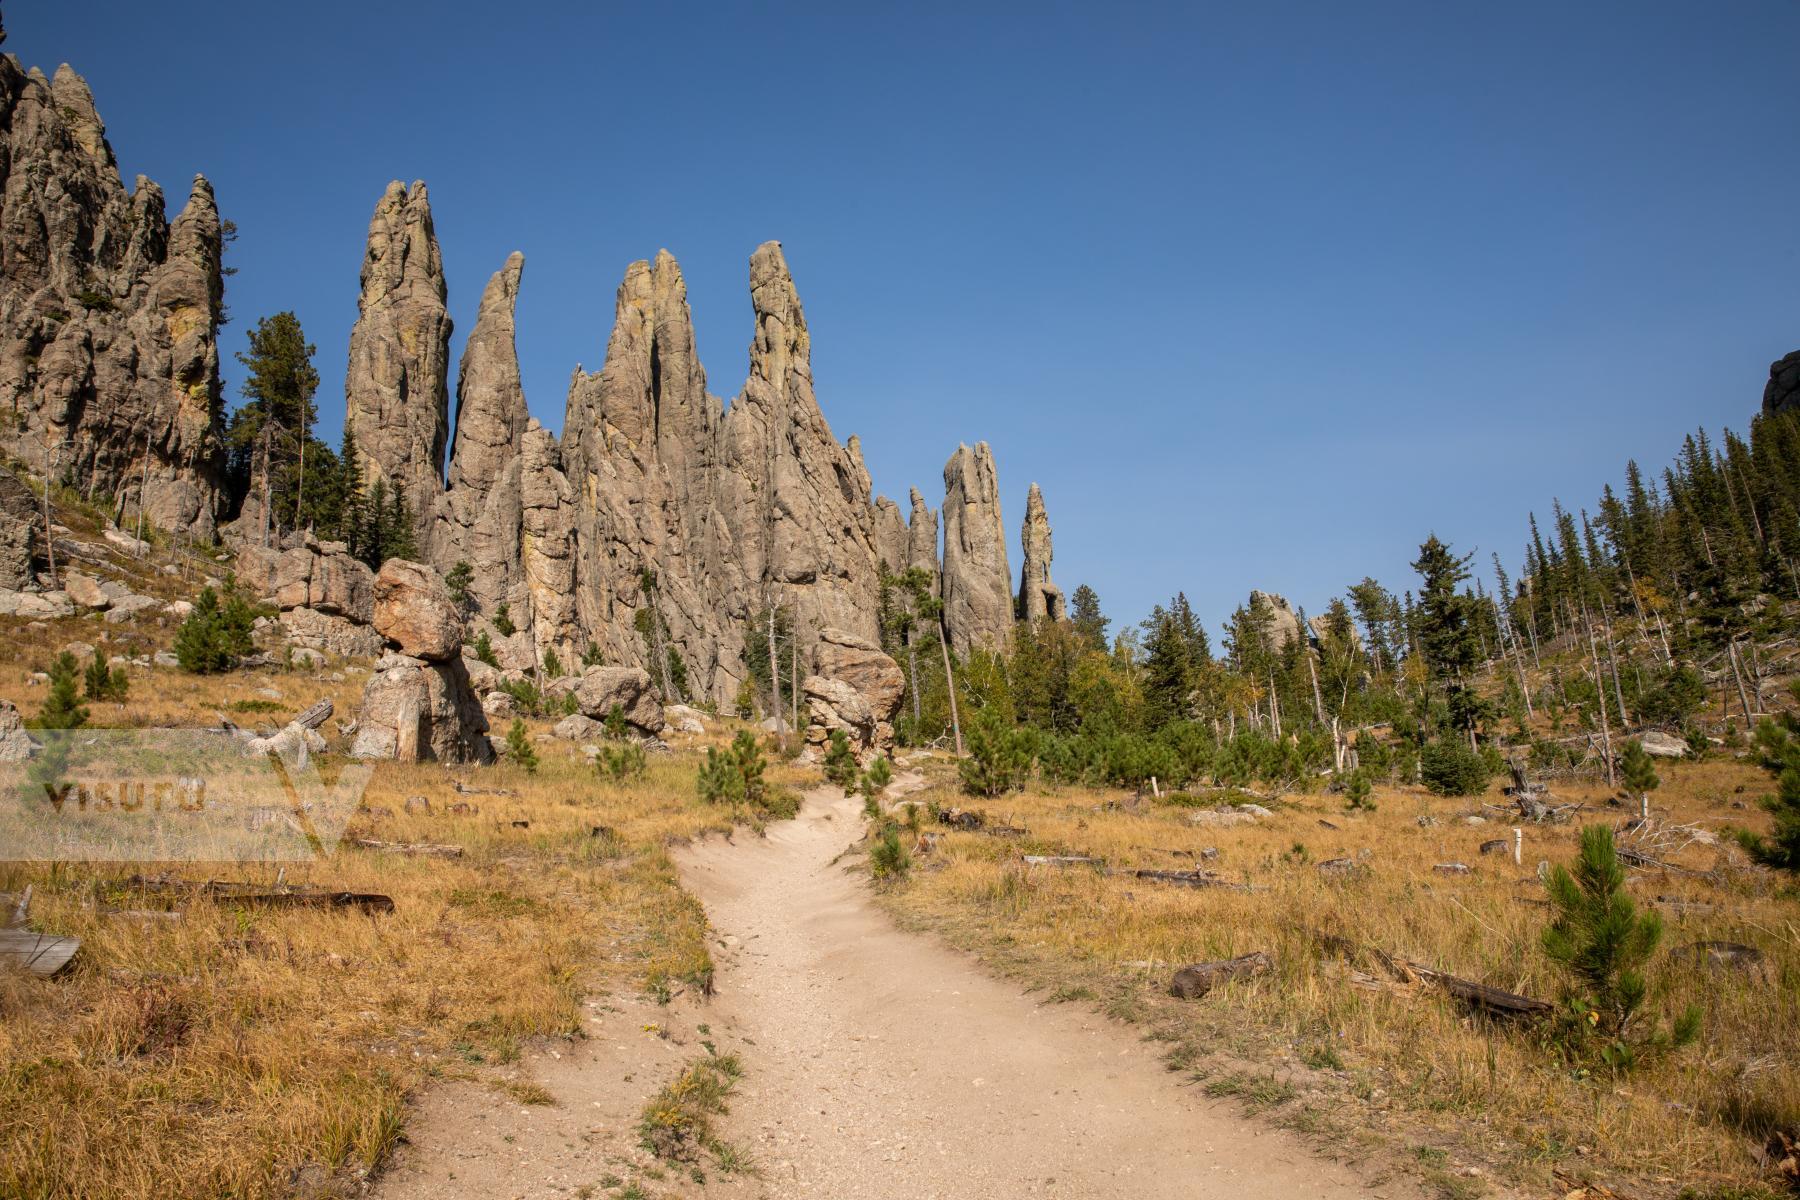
x=1260 y=294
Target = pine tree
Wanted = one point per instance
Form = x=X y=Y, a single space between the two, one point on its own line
x=519 y=748
x=1639 y=774
x=62 y=704
x=1085 y=615
x=1778 y=748
x=278 y=407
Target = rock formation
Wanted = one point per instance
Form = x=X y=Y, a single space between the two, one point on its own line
x=1783 y=389
x=977 y=582
x=480 y=517
x=922 y=538
x=419 y=703
x=396 y=406
x=1284 y=624
x=855 y=688
x=109 y=314
x=602 y=689
x=324 y=598
x=1038 y=597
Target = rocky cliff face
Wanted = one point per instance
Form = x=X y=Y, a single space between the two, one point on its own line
x=1038 y=597
x=109 y=314
x=394 y=388
x=1783 y=389
x=977 y=581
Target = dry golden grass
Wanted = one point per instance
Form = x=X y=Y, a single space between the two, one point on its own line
x=1347 y=1060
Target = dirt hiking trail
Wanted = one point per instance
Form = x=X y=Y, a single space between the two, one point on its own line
x=877 y=1063
x=880 y=1064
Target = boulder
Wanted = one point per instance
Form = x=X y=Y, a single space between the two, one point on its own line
x=1663 y=745
x=335 y=583
x=330 y=633
x=602 y=688
x=499 y=705
x=854 y=688
x=415 y=710
x=129 y=606
x=483 y=678
x=414 y=611
x=15 y=744
x=85 y=590
x=578 y=728
x=683 y=718
x=36 y=606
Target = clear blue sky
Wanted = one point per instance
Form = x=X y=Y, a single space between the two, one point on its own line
x=1261 y=294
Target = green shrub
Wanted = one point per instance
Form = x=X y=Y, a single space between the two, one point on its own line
x=1450 y=768
x=734 y=775
x=519 y=748
x=458 y=580
x=872 y=783
x=484 y=650
x=591 y=656
x=102 y=682
x=217 y=633
x=621 y=761
x=503 y=620
x=553 y=668
x=1356 y=791
x=888 y=858
x=998 y=757
x=1778 y=749
x=62 y=705
x=840 y=762
x=615 y=727
x=1601 y=942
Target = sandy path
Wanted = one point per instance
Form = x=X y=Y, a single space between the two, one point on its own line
x=880 y=1064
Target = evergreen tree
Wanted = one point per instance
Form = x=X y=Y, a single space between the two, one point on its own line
x=273 y=426
x=1084 y=614
x=62 y=703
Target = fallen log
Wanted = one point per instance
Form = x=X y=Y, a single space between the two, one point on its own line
x=229 y=892
x=965 y=819
x=1197 y=979
x=426 y=848
x=42 y=954
x=1494 y=1000
x=1193 y=879
x=1059 y=860
x=315 y=714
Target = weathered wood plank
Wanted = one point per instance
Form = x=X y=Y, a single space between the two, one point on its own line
x=43 y=954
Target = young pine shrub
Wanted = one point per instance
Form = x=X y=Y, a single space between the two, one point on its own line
x=1778 y=748
x=872 y=783
x=62 y=708
x=615 y=729
x=1356 y=791
x=1450 y=768
x=484 y=650
x=1639 y=774
x=734 y=775
x=998 y=758
x=102 y=682
x=840 y=762
x=1599 y=939
x=621 y=761
x=503 y=622
x=519 y=748
x=216 y=634
x=888 y=858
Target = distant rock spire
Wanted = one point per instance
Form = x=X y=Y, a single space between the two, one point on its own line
x=977 y=581
x=1038 y=597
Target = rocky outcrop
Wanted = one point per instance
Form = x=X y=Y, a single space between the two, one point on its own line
x=20 y=523
x=414 y=710
x=1284 y=622
x=1038 y=597
x=109 y=314
x=322 y=576
x=480 y=517
x=922 y=538
x=977 y=581
x=414 y=612
x=15 y=744
x=396 y=406
x=854 y=688
x=1782 y=392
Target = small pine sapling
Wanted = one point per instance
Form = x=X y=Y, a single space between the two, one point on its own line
x=1639 y=774
x=840 y=762
x=1599 y=939
x=519 y=748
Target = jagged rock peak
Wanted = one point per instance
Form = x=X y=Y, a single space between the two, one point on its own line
x=481 y=511
x=922 y=538
x=108 y=316
x=397 y=404
x=1284 y=624
x=1038 y=597
x=977 y=580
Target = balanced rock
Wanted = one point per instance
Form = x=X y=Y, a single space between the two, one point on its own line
x=413 y=710
x=15 y=744
x=414 y=611
x=1782 y=392
x=602 y=689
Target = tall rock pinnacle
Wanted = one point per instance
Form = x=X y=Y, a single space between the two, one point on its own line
x=977 y=583
x=1038 y=597
x=797 y=501
x=394 y=389
x=109 y=315
x=480 y=515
